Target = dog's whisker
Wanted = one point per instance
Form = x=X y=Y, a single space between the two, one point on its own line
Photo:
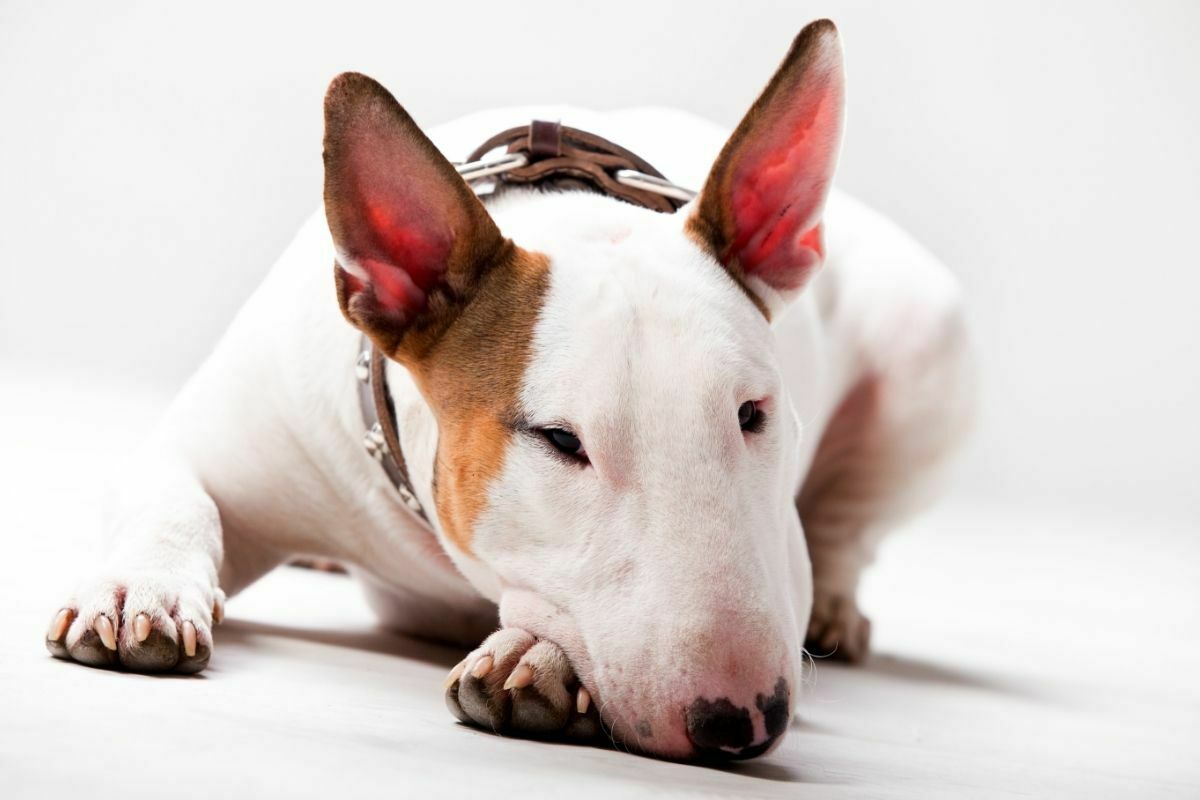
x=609 y=730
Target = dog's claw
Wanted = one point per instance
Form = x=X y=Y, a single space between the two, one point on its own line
x=455 y=674
x=59 y=626
x=582 y=700
x=104 y=629
x=482 y=667
x=218 y=611
x=521 y=677
x=141 y=627
x=189 y=639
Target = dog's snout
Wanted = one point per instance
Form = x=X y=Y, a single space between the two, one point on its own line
x=720 y=729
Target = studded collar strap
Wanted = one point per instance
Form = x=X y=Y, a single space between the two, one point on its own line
x=381 y=440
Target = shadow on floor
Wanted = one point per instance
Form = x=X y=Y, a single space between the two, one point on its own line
x=770 y=771
x=686 y=775
x=244 y=633
x=894 y=669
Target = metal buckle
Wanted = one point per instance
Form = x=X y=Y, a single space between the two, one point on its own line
x=362 y=367
x=409 y=499
x=649 y=183
x=475 y=170
x=374 y=443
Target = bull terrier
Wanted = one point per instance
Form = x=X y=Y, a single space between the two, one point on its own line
x=646 y=455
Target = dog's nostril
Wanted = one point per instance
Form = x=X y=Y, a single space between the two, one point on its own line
x=721 y=729
x=774 y=708
x=718 y=725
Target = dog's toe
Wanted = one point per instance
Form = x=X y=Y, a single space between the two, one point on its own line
x=584 y=724
x=483 y=704
x=57 y=632
x=157 y=651
x=479 y=692
x=91 y=642
x=541 y=702
x=196 y=646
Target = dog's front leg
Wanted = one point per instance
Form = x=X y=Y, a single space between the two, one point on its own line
x=150 y=604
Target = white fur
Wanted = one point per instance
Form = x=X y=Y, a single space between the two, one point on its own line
x=675 y=566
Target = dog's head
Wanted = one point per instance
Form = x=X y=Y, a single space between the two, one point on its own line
x=617 y=454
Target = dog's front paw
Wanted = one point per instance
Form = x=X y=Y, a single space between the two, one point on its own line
x=145 y=623
x=837 y=629
x=516 y=683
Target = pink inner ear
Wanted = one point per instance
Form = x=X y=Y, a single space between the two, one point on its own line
x=395 y=235
x=421 y=249
x=781 y=181
x=412 y=252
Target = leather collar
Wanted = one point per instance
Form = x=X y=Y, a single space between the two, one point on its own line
x=559 y=157
x=541 y=154
x=381 y=439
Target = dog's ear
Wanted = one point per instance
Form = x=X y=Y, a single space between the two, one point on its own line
x=413 y=242
x=759 y=213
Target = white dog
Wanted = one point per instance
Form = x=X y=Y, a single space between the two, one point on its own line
x=657 y=448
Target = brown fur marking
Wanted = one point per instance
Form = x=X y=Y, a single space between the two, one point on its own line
x=466 y=335
x=472 y=379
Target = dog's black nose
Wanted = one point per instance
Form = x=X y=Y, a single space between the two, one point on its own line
x=720 y=729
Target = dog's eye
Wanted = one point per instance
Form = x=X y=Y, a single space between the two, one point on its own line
x=565 y=442
x=750 y=418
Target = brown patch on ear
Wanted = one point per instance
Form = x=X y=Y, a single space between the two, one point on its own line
x=472 y=378
x=759 y=211
x=422 y=269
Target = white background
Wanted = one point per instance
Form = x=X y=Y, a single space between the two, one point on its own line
x=154 y=162
x=1034 y=636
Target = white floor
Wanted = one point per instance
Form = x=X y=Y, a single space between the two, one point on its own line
x=1016 y=654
